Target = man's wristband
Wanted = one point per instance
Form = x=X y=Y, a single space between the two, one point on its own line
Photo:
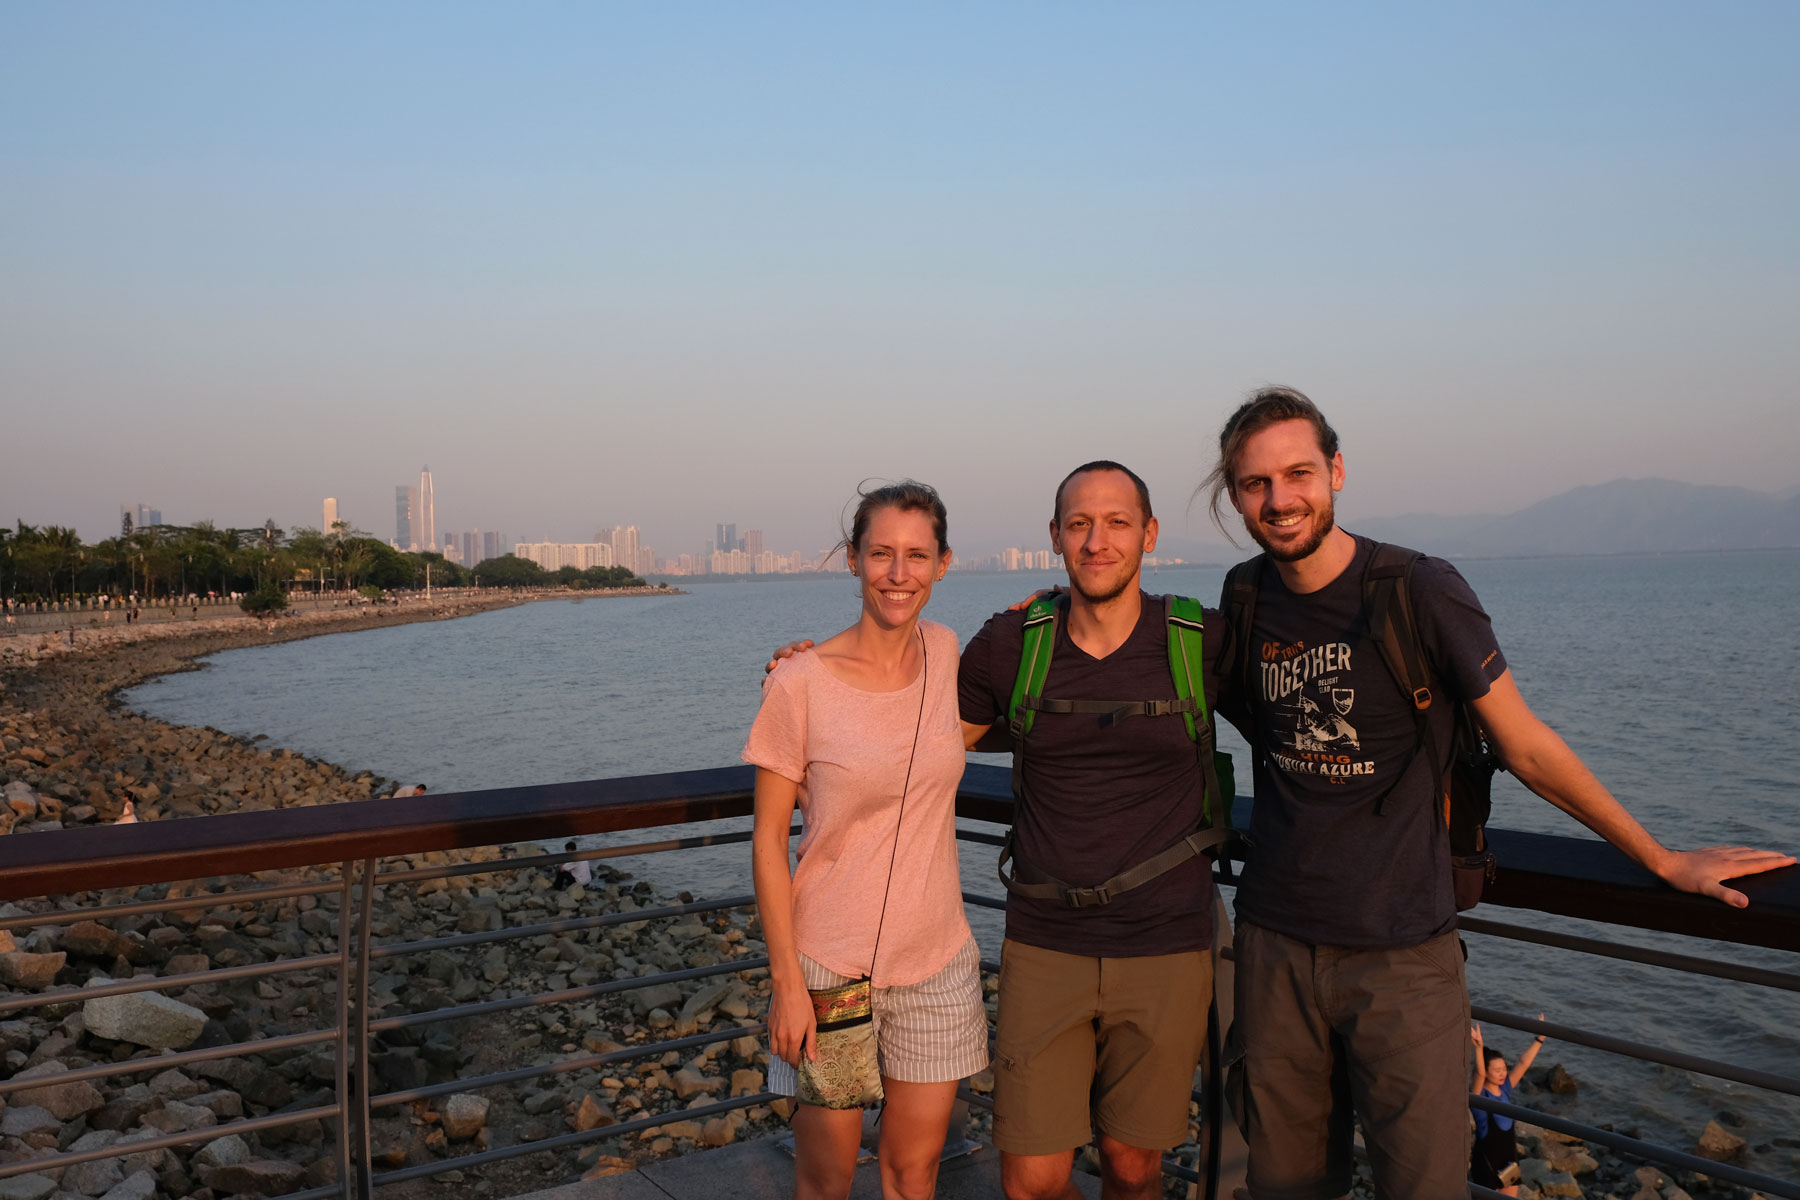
x=1540 y=1039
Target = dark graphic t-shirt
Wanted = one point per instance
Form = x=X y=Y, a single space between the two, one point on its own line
x=1335 y=736
x=1101 y=799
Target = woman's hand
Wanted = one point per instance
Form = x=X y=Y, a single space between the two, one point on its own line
x=793 y=1029
x=1032 y=599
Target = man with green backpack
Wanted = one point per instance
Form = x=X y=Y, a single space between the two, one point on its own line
x=1106 y=970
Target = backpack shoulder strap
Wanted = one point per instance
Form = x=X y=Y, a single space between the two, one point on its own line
x=1186 y=623
x=1041 y=620
x=1243 y=583
x=1387 y=599
x=1185 y=619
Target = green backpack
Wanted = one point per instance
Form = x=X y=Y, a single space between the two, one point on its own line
x=1186 y=623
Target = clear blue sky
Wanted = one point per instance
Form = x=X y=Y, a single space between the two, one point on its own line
x=679 y=263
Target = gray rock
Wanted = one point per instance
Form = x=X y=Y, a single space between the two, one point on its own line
x=701 y=1003
x=1546 y=1180
x=139 y=1185
x=26 y=1187
x=689 y=1083
x=665 y=996
x=22 y=1120
x=173 y=1085
x=464 y=1115
x=65 y=1101
x=227 y=1151
x=145 y=1019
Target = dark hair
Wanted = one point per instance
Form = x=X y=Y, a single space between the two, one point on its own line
x=1265 y=407
x=1489 y=1054
x=908 y=495
x=1105 y=464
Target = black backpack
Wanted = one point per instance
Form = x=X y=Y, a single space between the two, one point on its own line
x=1387 y=613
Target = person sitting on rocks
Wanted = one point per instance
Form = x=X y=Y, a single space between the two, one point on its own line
x=1494 y=1160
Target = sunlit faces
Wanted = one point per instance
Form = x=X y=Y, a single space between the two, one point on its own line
x=897 y=563
x=1496 y=1071
x=1282 y=485
x=1102 y=534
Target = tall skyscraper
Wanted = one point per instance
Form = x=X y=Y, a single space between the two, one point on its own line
x=144 y=516
x=728 y=538
x=493 y=544
x=331 y=516
x=753 y=543
x=426 y=533
x=406 y=517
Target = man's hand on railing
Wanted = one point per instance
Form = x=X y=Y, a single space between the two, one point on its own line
x=787 y=651
x=1704 y=870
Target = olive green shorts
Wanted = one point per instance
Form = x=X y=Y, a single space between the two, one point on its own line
x=1097 y=1043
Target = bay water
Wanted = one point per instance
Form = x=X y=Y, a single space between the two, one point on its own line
x=1672 y=676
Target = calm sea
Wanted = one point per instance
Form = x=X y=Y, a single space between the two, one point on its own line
x=1672 y=676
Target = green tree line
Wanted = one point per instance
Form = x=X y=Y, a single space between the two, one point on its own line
x=51 y=562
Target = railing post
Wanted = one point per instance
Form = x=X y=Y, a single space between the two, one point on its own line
x=365 y=1182
x=346 y=900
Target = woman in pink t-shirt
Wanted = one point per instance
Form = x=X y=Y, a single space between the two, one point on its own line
x=864 y=737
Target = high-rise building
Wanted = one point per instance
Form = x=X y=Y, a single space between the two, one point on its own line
x=143 y=516
x=406 y=505
x=728 y=538
x=753 y=543
x=331 y=517
x=425 y=526
x=493 y=544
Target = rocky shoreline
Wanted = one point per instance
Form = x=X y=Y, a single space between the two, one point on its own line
x=71 y=754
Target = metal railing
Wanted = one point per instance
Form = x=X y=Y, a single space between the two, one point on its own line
x=341 y=848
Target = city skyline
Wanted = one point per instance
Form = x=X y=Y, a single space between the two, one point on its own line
x=1509 y=251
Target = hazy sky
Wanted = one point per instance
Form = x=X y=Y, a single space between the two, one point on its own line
x=671 y=264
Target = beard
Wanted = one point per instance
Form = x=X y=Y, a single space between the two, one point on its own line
x=1323 y=522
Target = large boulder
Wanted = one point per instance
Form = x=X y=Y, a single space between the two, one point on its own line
x=66 y=1101
x=27 y=1187
x=145 y=1019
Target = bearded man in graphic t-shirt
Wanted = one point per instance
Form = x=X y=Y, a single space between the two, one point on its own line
x=1349 y=980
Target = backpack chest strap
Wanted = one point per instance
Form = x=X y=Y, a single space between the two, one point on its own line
x=1113 y=711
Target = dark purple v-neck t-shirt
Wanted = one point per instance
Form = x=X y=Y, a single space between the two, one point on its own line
x=1101 y=799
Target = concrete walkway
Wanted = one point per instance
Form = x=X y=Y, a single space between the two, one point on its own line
x=761 y=1170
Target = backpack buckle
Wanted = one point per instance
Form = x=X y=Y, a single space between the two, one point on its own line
x=1088 y=897
x=1421 y=698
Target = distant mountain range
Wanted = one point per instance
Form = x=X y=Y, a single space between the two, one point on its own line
x=1626 y=516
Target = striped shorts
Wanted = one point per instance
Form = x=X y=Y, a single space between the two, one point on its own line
x=932 y=1031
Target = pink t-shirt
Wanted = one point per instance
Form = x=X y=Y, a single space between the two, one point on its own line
x=848 y=750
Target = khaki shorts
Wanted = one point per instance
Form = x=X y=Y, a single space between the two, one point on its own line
x=1328 y=1030
x=1106 y=1043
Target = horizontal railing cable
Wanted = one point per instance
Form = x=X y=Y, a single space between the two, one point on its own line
x=127 y=1149
x=567 y=1140
x=1638 y=1050
x=493 y=866
x=159 y=983
x=550 y=928
x=566 y=996
x=162 y=1062
x=1637 y=954
x=58 y=916
x=583 y=1063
